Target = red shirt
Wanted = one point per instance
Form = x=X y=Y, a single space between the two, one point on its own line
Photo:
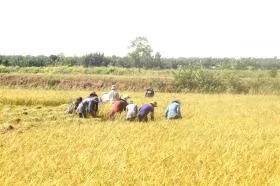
x=119 y=106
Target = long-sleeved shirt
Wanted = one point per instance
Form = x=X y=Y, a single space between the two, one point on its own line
x=87 y=104
x=131 y=110
x=145 y=110
x=173 y=110
x=113 y=96
x=119 y=106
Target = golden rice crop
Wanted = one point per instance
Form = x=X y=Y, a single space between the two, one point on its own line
x=221 y=140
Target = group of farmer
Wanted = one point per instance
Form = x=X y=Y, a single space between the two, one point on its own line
x=89 y=106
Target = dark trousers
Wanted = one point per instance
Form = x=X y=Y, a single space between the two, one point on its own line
x=143 y=118
x=93 y=108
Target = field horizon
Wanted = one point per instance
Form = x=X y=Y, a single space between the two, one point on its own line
x=187 y=80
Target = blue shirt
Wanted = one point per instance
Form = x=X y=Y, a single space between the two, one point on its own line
x=173 y=110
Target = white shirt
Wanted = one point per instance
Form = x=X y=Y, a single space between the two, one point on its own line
x=105 y=97
x=131 y=110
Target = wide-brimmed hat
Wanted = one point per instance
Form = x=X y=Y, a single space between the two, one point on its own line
x=113 y=87
x=176 y=101
x=79 y=99
x=154 y=103
x=125 y=96
x=93 y=94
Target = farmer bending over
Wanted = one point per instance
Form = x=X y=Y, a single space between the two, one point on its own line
x=145 y=110
x=150 y=92
x=118 y=106
x=131 y=111
x=173 y=111
x=88 y=105
x=73 y=106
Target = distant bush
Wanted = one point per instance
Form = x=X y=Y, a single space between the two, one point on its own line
x=236 y=85
x=208 y=82
x=198 y=81
x=273 y=73
x=4 y=69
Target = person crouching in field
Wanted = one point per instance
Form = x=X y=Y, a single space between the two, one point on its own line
x=145 y=110
x=88 y=105
x=173 y=111
x=131 y=111
x=150 y=92
x=118 y=107
x=73 y=106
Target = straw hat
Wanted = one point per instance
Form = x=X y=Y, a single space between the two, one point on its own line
x=176 y=101
x=125 y=96
x=154 y=103
x=113 y=87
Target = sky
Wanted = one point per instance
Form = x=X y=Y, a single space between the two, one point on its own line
x=175 y=28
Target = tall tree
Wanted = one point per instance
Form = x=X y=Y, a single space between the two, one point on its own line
x=157 y=60
x=141 y=52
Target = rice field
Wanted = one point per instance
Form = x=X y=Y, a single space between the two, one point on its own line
x=221 y=140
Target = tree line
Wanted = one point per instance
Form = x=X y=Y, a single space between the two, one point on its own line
x=140 y=55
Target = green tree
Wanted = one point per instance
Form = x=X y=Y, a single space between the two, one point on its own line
x=96 y=59
x=157 y=60
x=141 y=52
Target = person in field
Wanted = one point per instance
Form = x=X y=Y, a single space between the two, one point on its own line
x=150 y=92
x=105 y=97
x=113 y=94
x=73 y=106
x=173 y=111
x=88 y=106
x=131 y=111
x=118 y=107
x=145 y=110
x=93 y=104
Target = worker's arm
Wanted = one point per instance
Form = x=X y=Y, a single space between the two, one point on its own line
x=152 y=115
x=124 y=107
x=179 y=111
x=166 y=112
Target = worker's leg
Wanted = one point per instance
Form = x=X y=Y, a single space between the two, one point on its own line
x=94 y=109
x=145 y=118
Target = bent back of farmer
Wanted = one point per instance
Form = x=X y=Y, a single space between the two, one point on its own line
x=173 y=111
x=118 y=106
x=88 y=105
x=131 y=111
x=145 y=110
x=93 y=105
